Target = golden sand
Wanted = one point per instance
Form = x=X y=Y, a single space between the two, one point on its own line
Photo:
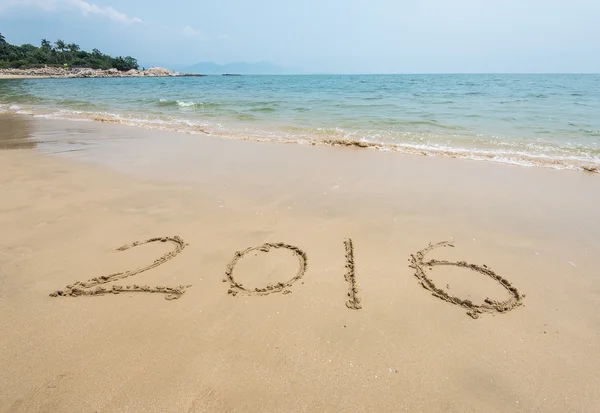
x=303 y=277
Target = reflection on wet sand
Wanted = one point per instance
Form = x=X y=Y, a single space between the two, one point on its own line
x=16 y=132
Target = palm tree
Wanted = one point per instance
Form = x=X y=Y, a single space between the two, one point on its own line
x=60 y=45
x=74 y=48
x=46 y=44
x=2 y=39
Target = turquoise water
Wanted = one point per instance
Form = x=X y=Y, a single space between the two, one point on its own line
x=546 y=120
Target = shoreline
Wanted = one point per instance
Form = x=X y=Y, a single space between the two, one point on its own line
x=74 y=73
x=184 y=127
x=6 y=77
x=77 y=196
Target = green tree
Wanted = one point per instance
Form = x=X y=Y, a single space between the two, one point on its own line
x=62 y=54
x=124 y=63
x=74 y=48
x=60 y=45
x=42 y=56
x=3 y=48
x=131 y=62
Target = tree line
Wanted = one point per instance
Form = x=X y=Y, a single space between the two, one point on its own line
x=60 y=54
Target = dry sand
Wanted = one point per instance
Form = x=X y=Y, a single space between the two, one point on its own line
x=318 y=324
x=3 y=76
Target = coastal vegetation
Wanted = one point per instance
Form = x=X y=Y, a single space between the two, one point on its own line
x=59 y=54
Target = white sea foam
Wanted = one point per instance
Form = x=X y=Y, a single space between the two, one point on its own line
x=179 y=103
x=14 y=109
x=529 y=154
x=183 y=104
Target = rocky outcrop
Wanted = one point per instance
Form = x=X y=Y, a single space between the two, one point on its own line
x=60 y=72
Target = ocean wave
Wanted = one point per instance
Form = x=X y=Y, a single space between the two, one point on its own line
x=590 y=132
x=14 y=109
x=415 y=125
x=264 y=103
x=263 y=109
x=495 y=149
x=185 y=104
x=167 y=123
x=246 y=117
x=507 y=157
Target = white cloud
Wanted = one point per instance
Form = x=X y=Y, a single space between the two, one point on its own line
x=83 y=6
x=190 y=31
x=108 y=12
x=11 y=4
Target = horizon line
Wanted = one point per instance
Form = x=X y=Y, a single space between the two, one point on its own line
x=402 y=73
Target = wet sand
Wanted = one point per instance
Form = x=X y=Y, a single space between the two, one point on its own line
x=270 y=306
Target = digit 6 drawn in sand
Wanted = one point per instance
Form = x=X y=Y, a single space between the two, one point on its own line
x=80 y=288
x=489 y=306
x=235 y=287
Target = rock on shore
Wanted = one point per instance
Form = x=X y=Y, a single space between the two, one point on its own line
x=60 y=72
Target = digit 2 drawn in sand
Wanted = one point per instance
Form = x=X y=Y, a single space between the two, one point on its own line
x=235 y=287
x=172 y=293
x=489 y=306
x=353 y=302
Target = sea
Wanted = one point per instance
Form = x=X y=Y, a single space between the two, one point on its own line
x=549 y=120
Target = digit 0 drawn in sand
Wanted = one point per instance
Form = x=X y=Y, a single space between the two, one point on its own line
x=474 y=310
x=235 y=287
x=80 y=288
x=353 y=302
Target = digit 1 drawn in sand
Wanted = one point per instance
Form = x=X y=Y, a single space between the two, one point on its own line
x=79 y=288
x=235 y=287
x=353 y=302
x=488 y=306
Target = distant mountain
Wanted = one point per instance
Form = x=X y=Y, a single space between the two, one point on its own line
x=242 y=68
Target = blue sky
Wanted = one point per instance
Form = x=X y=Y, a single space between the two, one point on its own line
x=342 y=36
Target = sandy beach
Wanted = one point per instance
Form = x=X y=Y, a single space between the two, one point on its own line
x=234 y=339
x=70 y=73
x=4 y=76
